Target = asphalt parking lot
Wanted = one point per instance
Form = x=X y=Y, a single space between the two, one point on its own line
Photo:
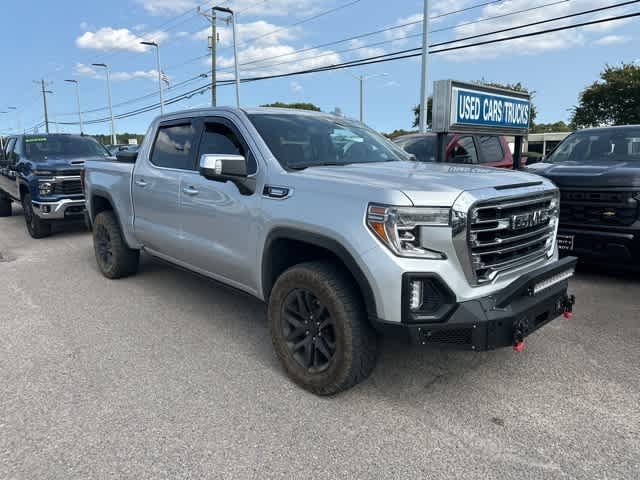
x=166 y=375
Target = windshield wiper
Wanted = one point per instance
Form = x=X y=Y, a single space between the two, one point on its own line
x=302 y=166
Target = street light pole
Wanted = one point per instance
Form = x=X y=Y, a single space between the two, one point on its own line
x=424 y=95
x=78 y=102
x=235 y=49
x=18 y=122
x=113 y=124
x=361 y=79
x=154 y=44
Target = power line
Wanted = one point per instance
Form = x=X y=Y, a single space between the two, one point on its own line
x=399 y=55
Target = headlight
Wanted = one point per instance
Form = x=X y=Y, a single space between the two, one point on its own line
x=399 y=228
x=45 y=188
x=554 y=214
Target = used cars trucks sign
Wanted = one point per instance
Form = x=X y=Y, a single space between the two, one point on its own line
x=461 y=106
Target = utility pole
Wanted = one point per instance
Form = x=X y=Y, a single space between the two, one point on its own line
x=424 y=92
x=213 y=43
x=361 y=79
x=232 y=18
x=43 y=86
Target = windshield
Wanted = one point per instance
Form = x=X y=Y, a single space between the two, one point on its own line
x=596 y=145
x=45 y=147
x=301 y=141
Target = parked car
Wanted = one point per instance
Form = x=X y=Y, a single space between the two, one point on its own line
x=42 y=172
x=598 y=173
x=486 y=150
x=113 y=149
x=344 y=238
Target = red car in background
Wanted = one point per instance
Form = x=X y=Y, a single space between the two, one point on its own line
x=487 y=150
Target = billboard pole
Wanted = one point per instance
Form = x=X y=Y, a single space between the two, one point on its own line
x=424 y=94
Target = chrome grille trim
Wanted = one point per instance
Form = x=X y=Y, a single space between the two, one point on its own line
x=486 y=241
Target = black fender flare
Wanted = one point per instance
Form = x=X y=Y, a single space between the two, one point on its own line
x=327 y=243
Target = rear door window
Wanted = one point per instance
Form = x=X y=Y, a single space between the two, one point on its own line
x=463 y=150
x=491 y=149
x=173 y=147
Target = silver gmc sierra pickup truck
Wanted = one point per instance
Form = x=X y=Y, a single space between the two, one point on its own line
x=340 y=232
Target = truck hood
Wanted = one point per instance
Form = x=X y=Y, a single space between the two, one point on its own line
x=603 y=173
x=64 y=164
x=423 y=183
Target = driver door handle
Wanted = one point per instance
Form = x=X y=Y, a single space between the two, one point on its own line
x=140 y=182
x=190 y=191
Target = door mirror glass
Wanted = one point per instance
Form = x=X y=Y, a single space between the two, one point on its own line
x=126 y=156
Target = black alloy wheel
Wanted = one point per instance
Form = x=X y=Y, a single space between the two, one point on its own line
x=104 y=249
x=309 y=330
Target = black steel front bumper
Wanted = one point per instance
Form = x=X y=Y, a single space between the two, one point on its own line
x=500 y=320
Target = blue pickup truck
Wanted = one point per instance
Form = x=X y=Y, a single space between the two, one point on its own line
x=43 y=173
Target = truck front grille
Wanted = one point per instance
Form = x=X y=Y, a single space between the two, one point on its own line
x=68 y=187
x=509 y=234
x=593 y=208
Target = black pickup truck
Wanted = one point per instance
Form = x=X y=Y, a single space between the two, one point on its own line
x=598 y=173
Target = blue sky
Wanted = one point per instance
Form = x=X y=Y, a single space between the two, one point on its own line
x=67 y=36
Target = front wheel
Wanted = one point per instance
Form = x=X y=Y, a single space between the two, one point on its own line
x=319 y=328
x=114 y=257
x=37 y=228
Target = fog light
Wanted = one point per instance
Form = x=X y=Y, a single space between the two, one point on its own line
x=46 y=209
x=415 y=294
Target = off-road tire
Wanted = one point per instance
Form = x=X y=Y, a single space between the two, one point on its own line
x=114 y=257
x=36 y=227
x=355 y=340
x=5 y=206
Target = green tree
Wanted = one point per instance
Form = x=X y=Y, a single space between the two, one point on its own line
x=416 y=113
x=612 y=100
x=398 y=133
x=551 y=127
x=297 y=106
x=518 y=87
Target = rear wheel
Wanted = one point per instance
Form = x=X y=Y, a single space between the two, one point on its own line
x=114 y=257
x=37 y=228
x=319 y=328
x=5 y=206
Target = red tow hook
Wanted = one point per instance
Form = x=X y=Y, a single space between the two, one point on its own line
x=567 y=307
x=519 y=346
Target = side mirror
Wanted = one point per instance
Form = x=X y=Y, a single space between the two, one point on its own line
x=232 y=168
x=126 y=156
x=223 y=167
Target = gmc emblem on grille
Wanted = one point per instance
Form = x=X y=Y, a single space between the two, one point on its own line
x=529 y=220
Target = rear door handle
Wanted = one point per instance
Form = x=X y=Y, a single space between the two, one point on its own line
x=140 y=182
x=190 y=191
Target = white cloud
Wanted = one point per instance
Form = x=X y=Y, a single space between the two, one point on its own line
x=398 y=34
x=84 y=70
x=108 y=38
x=273 y=8
x=363 y=51
x=612 y=40
x=80 y=69
x=530 y=45
x=259 y=32
x=296 y=87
